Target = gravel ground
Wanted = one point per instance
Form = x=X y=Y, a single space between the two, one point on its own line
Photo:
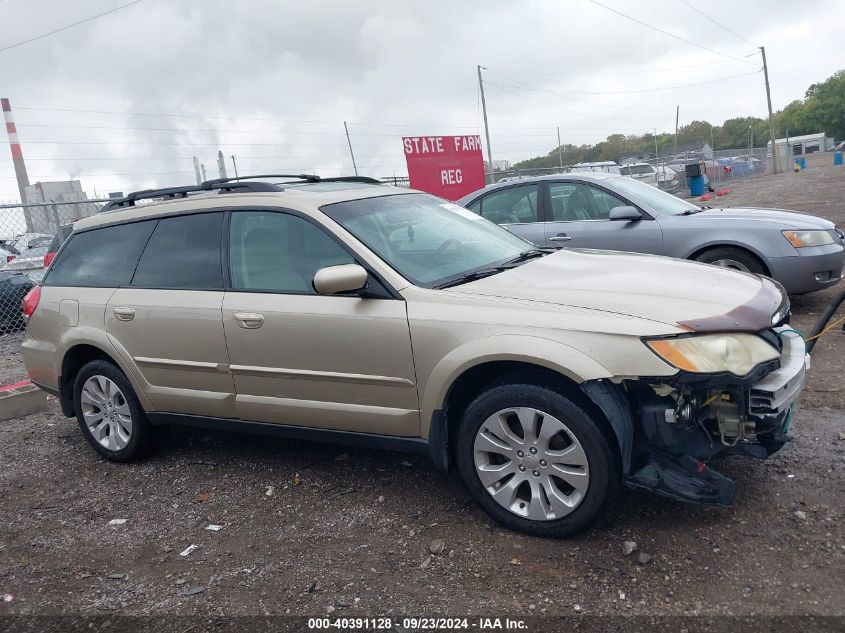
x=308 y=529
x=11 y=365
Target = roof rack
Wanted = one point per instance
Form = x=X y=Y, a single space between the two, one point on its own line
x=228 y=185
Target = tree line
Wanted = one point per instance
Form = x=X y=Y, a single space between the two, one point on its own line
x=821 y=110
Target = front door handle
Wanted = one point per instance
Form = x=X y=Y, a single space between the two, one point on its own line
x=123 y=313
x=560 y=237
x=249 y=320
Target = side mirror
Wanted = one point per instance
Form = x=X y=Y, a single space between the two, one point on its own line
x=626 y=213
x=333 y=280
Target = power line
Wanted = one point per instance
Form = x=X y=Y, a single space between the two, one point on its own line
x=69 y=26
x=640 y=109
x=618 y=74
x=672 y=35
x=626 y=92
x=721 y=26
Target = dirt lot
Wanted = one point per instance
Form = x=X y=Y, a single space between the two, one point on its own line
x=310 y=529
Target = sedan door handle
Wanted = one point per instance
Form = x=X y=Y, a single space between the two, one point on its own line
x=123 y=313
x=249 y=320
x=560 y=237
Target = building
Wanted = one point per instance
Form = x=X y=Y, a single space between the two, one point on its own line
x=801 y=145
x=56 y=211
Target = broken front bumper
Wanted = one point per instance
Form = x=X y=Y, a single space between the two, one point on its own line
x=708 y=415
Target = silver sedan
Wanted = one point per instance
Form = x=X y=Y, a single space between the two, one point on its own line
x=605 y=211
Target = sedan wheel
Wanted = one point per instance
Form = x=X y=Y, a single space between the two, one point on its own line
x=106 y=412
x=531 y=463
x=732 y=264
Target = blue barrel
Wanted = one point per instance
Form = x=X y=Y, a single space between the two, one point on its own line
x=696 y=185
x=837 y=158
x=801 y=162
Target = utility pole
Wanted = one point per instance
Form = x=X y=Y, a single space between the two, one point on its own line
x=775 y=166
x=677 y=114
x=559 y=150
x=655 y=146
x=486 y=129
x=235 y=165
x=351 y=153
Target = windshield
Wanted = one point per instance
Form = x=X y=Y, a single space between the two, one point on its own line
x=660 y=201
x=426 y=239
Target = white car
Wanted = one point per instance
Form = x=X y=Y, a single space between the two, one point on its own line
x=640 y=171
x=603 y=166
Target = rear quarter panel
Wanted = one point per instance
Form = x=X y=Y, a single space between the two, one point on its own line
x=67 y=317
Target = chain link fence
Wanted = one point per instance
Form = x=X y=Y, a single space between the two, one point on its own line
x=722 y=167
x=29 y=236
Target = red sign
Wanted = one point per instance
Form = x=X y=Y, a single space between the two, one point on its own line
x=447 y=166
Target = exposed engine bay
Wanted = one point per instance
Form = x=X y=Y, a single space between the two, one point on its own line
x=681 y=424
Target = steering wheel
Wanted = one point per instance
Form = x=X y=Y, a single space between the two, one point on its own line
x=442 y=248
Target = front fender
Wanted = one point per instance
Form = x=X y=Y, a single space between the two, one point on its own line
x=566 y=360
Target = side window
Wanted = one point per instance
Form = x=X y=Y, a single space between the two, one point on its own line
x=475 y=207
x=279 y=252
x=513 y=205
x=101 y=258
x=603 y=202
x=571 y=202
x=183 y=252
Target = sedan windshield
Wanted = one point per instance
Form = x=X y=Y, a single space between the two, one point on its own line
x=660 y=201
x=429 y=241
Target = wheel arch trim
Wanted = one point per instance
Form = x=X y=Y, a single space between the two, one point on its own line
x=563 y=359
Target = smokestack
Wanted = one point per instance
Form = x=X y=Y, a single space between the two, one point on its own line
x=221 y=164
x=17 y=154
x=197 y=171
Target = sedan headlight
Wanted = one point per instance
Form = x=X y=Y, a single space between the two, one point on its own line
x=713 y=353
x=802 y=239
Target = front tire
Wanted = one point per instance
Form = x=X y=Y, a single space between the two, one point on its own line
x=109 y=413
x=732 y=258
x=535 y=460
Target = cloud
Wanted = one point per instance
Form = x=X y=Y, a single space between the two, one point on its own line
x=272 y=82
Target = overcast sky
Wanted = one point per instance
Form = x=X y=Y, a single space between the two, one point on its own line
x=272 y=82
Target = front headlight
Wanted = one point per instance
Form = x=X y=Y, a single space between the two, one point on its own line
x=802 y=239
x=713 y=353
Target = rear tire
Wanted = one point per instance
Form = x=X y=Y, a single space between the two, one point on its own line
x=109 y=413
x=535 y=460
x=732 y=258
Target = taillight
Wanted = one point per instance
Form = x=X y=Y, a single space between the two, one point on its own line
x=48 y=259
x=30 y=301
x=10 y=259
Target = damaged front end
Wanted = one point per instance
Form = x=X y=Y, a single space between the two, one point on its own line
x=681 y=423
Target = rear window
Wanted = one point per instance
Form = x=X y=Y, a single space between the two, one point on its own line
x=183 y=252
x=101 y=258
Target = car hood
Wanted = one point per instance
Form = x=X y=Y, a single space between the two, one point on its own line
x=698 y=297
x=789 y=219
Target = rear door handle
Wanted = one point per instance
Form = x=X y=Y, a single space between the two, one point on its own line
x=249 y=320
x=123 y=313
x=560 y=237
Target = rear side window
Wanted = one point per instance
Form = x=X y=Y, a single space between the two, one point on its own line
x=183 y=252
x=101 y=258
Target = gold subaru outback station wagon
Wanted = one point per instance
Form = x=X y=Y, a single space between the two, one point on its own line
x=353 y=312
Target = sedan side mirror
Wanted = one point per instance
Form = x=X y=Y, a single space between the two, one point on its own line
x=334 y=280
x=626 y=213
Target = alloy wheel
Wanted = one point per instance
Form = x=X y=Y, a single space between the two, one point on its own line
x=531 y=463
x=732 y=264
x=106 y=412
